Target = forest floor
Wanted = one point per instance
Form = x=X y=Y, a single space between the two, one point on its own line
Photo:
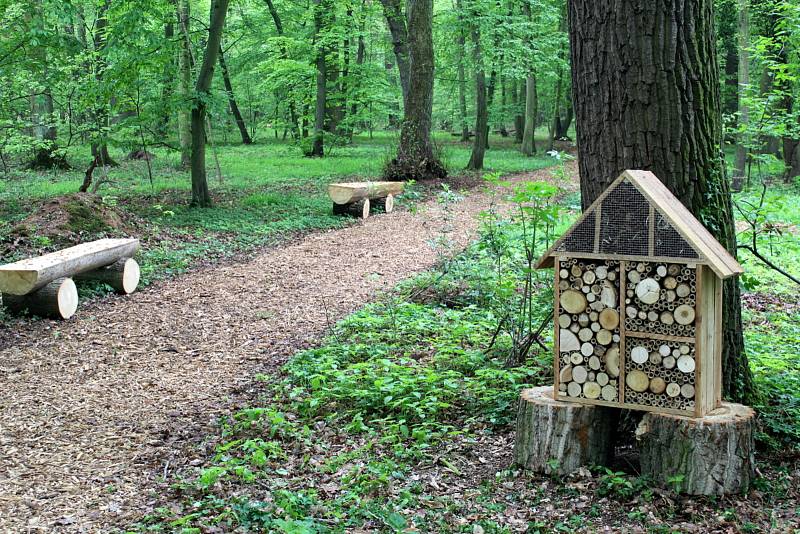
x=96 y=412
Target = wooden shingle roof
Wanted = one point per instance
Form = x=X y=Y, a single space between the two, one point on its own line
x=638 y=218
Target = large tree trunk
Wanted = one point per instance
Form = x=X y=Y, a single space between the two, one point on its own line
x=237 y=115
x=531 y=111
x=393 y=11
x=653 y=103
x=318 y=147
x=742 y=140
x=200 y=194
x=481 y=107
x=415 y=158
x=184 y=83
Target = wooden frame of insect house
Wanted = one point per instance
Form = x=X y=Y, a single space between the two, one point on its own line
x=638 y=303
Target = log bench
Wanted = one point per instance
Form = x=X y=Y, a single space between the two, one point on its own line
x=44 y=285
x=358 y=198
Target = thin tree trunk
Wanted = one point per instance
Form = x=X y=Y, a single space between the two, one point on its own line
x=101 y=113
x=234 y=107
x=393 y=11
x=481 y=107
x=200 y=194
x=563 y=124
x=667 y=122
x=742 y=140
x=531 y=112
x=296 y=129
x=556 y=112
x=519 y=110
x=184 y=84
x=462 y=77
x=318 y=148
x=167 y=85
x=415 y=158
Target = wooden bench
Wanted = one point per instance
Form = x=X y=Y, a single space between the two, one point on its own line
x=44 y=285
x=357 y=198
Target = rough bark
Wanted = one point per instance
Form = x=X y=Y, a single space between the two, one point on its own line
x=711 y=455
x=556 y=437
x=481 y=105
x=200 y=194
x=184 y=83
x=101 y=113
x=318 y=146
x=393 y=11
x=742 y=140
x=651 y=101
x=415 y=157
x=234 y=107
x=531 y=111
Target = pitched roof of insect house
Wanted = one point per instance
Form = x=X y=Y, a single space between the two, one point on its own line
x=638 y=218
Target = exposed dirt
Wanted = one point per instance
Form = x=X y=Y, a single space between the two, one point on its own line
x=96 y=411
x=66 y=220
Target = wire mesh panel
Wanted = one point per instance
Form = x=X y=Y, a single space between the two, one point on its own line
x=581 y=239
x=625 y=222
x=669 y=243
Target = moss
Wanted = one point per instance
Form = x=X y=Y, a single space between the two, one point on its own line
x=84 y=218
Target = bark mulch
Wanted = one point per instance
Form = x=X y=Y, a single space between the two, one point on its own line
x=94 y=412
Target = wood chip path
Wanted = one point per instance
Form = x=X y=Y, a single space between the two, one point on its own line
x=95 y=411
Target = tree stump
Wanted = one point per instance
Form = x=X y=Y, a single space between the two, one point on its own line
x=557 y=437
x=711 y=455
x=122 y=275
x=57 y=300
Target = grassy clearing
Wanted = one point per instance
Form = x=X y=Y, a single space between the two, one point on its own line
x=401 y=421
x=268 y=191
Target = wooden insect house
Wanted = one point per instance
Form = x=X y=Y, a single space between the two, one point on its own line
x=638 y=303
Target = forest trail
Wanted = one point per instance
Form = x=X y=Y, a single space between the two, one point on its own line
x=95 y=411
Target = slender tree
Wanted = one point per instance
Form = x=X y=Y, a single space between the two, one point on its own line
x=234 y=107
x=742 y=141
x=318 y=147
x=101 y=114
x=184 y=82
x=200 y=194
x=643 y=102
x=415 y=158
x=481 y=105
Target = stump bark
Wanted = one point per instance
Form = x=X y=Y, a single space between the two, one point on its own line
x=122 y=275
x=57 y=300
x=556 y=437
x=711 y=455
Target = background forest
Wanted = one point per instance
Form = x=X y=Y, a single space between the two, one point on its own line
x=211 y=129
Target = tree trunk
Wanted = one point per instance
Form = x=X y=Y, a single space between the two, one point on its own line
x=519 y=110
x=557 y=437
x=46 y=153
x=742 y=140
x=551 y=131
x=237 y=115
x=563 y=124
x=531 y=112
x=200 y=195
x=101 y=113
x=167 y=86
x=481 y=107
x=296 y=129
x=651 y=103
x=318 y=147
x=393 y=11
x=184 y=83
x=462 y=77
x=415 y=158
x=711 y=455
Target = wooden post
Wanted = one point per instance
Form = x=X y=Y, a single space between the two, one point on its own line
x=556 y=437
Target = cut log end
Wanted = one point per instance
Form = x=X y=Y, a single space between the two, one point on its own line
x=711 y=455
x=359 y=208
x=56 y=300
x=122 y=275
x=557 y=437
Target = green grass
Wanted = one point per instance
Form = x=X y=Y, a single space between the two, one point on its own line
x=268 y=191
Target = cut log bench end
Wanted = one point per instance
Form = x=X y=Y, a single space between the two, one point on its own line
x=359 y=198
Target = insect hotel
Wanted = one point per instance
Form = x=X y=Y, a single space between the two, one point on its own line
x=638 y=323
